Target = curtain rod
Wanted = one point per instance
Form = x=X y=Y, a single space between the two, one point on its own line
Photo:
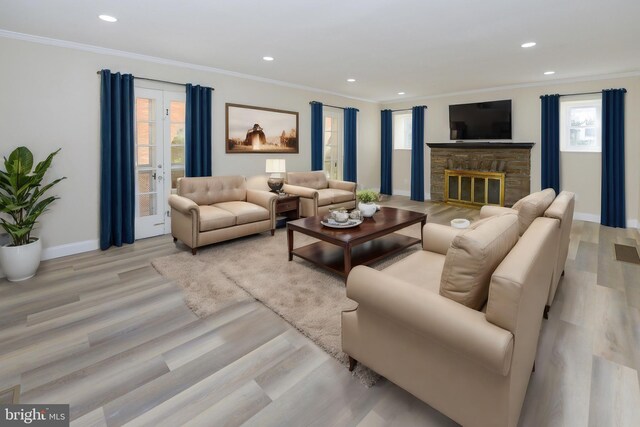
x=160 y=81
x=407 y=109
x=582 y=93
x=328 y=105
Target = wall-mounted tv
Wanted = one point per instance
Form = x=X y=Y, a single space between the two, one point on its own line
x=480 y=120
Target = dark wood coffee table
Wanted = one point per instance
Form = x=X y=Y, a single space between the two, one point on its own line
x=341 y=249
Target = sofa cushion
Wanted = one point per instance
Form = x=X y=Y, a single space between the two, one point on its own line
x=244 y=212
x=315 y=180
x=532 y=206
x=342 y=195
x=422 y=269
x=473 y=256
x=213 y=189
x=325 y=197
x=212 y=218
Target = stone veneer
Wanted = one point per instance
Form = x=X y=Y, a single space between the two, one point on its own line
x=516 y=155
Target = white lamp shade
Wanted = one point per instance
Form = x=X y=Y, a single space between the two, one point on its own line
x=276 y=166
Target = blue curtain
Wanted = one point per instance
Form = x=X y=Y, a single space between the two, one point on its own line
x=350 y=171
x=198 y=131
x=417 y=153
x=117 y=199
x=550 y=142
x=612 y=210
x=316 y=136
x=386 y=154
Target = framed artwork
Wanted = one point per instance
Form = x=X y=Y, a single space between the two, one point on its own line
x=260 y=130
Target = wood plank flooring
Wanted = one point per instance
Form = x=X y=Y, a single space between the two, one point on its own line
x=106 y=333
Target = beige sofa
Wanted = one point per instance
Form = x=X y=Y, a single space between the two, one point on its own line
x=212 y=209
x=544 y=203
x=318 y=194
x=472 y=365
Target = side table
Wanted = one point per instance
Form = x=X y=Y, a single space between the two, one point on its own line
x=287 y=209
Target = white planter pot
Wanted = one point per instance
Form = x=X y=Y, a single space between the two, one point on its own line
x=367 y=209
x=20 y=262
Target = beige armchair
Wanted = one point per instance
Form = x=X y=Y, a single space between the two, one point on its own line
x=213 y=209
x=318 y=194
x=472 y=365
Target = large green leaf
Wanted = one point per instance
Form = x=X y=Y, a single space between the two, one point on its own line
x=20 y=161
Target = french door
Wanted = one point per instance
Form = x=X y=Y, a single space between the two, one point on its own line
x=159 y=157
x=332 y=138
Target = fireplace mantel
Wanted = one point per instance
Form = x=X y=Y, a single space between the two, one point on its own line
x=479 y=145
x=516 y=155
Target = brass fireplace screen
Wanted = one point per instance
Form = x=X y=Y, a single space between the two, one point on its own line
x=473 y=188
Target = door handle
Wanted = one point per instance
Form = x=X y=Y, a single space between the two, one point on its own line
x=154 y=175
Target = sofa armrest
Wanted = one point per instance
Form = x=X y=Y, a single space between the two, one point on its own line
x=488 y=210
x=183 y=204
x=456 y=327
x=437 y=237
x=309 y=193
x=342 y=185
x=262 y=198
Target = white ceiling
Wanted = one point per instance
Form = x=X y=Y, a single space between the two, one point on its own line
x=421 y=47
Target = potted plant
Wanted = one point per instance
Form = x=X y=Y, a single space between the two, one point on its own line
x=22 y=202
x=366 y=204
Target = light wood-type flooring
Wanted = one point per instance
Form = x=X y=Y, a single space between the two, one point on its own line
x=104 y=332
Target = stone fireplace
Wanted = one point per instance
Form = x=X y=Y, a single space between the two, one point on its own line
x=512 y=159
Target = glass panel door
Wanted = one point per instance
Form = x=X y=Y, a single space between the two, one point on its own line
x=149 y=155
x=332 y=138
x=160 y=145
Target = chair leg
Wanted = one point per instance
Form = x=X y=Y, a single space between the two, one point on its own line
x=534 y=367
x=546 y=312
x=175 y=239
x=193 y=251
x=273 y=231
x=352 y=363
x=562 y=275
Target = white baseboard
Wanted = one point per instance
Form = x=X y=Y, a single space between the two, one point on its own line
x=427 y=196
x=581 y=216
x=70 y=249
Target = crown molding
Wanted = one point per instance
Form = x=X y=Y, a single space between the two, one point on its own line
x=515 y=86
x=157 y=60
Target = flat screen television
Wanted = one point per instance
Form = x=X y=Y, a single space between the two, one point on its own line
x=480 y=120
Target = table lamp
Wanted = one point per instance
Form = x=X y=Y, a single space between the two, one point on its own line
x=276 y=167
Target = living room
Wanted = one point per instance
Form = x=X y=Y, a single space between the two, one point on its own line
x=52 y=99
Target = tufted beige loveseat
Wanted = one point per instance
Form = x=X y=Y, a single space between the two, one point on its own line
x=212 y=209
x=318 y=195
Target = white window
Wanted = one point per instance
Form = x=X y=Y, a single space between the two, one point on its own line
x=580 y=125
x=402 y=131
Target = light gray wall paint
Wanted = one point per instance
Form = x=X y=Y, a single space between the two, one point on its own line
x=50 y=98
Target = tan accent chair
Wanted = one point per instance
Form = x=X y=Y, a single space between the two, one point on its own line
x=213 y=209
x=318 y=194
x=544 y=203
x=472 y=366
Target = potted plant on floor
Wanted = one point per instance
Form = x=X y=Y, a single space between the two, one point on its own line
x=366 y=204
x=21 y=203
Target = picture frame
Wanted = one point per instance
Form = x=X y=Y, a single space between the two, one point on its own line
x=258 y=130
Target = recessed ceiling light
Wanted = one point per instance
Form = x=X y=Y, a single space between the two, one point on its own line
x=400 y=93
x=528 y=44
x=548 y=73
x=268 y=58
x=107 y=18
x=351 y=80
